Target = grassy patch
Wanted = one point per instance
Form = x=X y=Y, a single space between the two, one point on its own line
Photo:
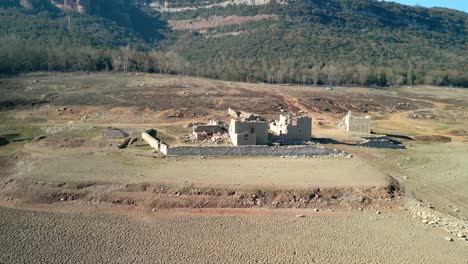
x=442 y=128
x=6 y=119
x=144 y=147
x=71 y=132
x=20 y=133
x=17 y=135
x=166 y=135
x=33 y=119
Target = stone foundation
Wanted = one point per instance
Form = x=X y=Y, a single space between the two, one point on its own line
x=248 y=151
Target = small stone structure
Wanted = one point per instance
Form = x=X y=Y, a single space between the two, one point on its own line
x=150 y=136
x=198 y=136
x=253 y=129
x=356 y=124
x=113 y=133
x=248 y=132
x=286 y=130
x=203 y=132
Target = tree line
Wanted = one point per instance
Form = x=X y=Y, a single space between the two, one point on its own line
x=17 y=56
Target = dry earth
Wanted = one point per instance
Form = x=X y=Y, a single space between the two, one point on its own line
x=71 y=237
x=59 y=165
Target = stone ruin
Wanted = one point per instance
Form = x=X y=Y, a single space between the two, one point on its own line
x=129 y=137
x=285 y=130
x=248 y=150
x=253 y=129
x=355 y=124
x=215 y=131
x=248 y=132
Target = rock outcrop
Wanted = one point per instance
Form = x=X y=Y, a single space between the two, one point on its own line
x=81 y=6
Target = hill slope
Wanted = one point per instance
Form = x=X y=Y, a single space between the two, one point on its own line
x=306 y=41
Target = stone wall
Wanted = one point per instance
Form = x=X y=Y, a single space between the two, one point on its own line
x=284 y=129
x=233 y=113
x=164 y=148
x=238 y=130
x=302 y=131
x=248 y=151
x=153 y=142
x=242 y=139
x=356 y=124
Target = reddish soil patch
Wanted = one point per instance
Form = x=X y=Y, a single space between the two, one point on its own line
x=433 y=138
x=459 y=132
x=356 y=102
x=60 y=142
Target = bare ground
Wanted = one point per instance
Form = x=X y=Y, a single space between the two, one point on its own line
x=164 y=237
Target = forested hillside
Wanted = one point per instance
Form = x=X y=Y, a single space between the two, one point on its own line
x=358 y=42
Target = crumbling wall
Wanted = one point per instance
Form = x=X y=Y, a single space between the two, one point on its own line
x=302 y=131
x=233 y=113
x=359 y=124
x=164 y=148
x=243 y=139
x=248 y=151
x=153 y=142
x=242 y=131
x=356 y=124
x=209 y=129
x=286 y=130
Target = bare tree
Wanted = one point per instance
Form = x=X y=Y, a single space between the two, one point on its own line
x=363 y=73
x=315 y=73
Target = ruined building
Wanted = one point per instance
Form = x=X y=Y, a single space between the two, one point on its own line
x=356 y=124
x=252 y=129
x=284 y=128
x=248 y=132
x=202 y=132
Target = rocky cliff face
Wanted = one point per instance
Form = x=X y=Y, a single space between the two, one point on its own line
x=81 y=6
x=26 y=4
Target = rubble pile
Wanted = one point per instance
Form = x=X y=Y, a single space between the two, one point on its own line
x=220 y=138
x=214 y=131
x=432 y=218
